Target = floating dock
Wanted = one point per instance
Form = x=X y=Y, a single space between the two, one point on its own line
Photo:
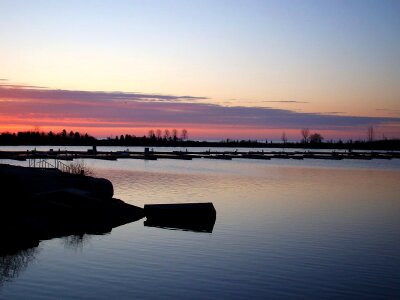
x=189 y=155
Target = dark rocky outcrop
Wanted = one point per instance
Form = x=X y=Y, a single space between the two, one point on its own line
x=38 y=204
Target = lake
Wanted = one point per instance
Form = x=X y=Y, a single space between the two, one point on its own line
x=285 y=229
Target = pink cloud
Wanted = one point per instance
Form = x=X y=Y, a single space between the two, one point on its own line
x=32 y=106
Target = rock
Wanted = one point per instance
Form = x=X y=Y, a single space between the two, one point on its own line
x=38 y=204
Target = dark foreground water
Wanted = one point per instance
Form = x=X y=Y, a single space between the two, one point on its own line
x=285 y=230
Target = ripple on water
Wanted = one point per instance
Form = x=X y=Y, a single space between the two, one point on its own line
x=282 y=231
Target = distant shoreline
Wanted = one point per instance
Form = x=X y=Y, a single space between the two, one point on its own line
x=78 y=139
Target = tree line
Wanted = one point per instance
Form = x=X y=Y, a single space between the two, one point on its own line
x=167 y=135
x=49 y=138
x=157 y=137
x=180 y=138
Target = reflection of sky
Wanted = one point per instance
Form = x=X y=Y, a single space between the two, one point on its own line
x=281 y=232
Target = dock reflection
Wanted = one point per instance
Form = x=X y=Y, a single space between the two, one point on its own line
x=185 y=225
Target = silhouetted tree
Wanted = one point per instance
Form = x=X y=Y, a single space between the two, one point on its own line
x=166 y=134
x=284 y=137
x=315 y=138
x=370 y=134
x=151 y=134
x=41 y=138
x=184 y=134
x=158 y=134
x=174 y=134
x=305 y=132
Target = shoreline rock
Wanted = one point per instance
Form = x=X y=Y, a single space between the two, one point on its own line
x=40 y=204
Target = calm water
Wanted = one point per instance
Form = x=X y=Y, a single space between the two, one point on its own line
x=285 y=229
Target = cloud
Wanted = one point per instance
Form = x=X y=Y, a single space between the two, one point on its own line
x=18 y=91
x=332 y=113
x=284 y=101
x=20 y=86
x=29 y=105
x=388 y=110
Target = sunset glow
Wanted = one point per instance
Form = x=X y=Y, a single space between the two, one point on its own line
x=128 y=67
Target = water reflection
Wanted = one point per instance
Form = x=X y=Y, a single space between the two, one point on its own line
x=11 y=265
x=76 y=242
x=14 y=261
x=283 y=232
x=206 y=225
x=15 y=257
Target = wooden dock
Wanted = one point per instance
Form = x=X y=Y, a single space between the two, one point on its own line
x=189 y=155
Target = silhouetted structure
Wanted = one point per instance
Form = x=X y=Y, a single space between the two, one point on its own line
x=198 y=217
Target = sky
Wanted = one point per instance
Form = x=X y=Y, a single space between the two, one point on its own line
x=221 y=69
